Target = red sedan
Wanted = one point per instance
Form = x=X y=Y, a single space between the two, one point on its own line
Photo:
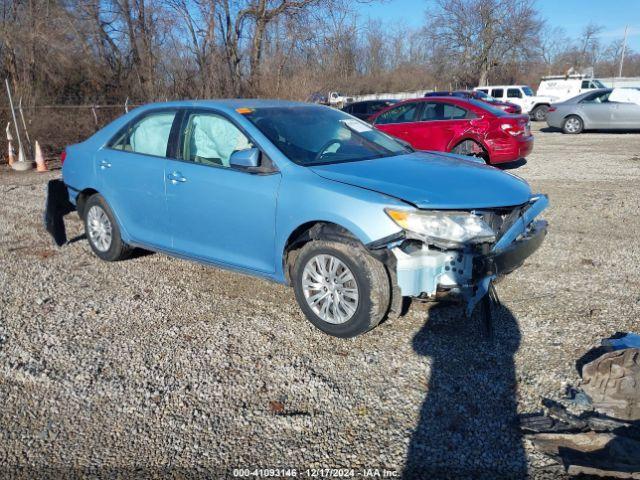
x=466 y=127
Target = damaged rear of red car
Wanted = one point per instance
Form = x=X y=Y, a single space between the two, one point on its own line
x=466 y=127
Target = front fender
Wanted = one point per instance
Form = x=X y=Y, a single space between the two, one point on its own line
x=306 y=197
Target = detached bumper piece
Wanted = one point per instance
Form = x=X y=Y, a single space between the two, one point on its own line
x=513 y=255
x=56 y=207
x=423 y=270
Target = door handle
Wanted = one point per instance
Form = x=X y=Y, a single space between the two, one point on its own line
x=104 y=165
x=176 y=177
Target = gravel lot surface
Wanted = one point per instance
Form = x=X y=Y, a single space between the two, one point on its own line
x=157 y=365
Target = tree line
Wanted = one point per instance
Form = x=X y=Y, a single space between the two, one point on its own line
x=104 y=51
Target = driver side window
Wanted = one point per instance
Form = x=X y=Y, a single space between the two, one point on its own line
x=401 y=114
x=210 y=139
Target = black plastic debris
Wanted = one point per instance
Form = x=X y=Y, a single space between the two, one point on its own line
x=56 y=207
x=603 y=440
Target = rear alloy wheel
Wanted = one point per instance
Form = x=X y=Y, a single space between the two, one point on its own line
x=572 y=125
x=341 y=289
x=102 y=230
x=539 y=113
x=471 y=149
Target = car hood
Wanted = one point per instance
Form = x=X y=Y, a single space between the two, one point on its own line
x=432 y=180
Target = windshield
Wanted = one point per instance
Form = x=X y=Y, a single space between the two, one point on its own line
x=597 y=84
x=527 y=91
x=316 y=135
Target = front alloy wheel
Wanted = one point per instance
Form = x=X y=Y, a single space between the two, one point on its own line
x=330 y=289
x=340 y=287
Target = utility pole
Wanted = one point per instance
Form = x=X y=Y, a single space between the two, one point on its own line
x=624 y=47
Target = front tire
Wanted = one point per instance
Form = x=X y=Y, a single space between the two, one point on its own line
x=340 y=288
x=539 y=113
x=572 y=125
x=102 y=230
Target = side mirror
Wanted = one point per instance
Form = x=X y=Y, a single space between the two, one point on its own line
x=248 y=158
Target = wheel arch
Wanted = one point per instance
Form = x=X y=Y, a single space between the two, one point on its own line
x=578 y=116
x=479 y=141
x=573 y=114
x=307 y=232
x=82 y=198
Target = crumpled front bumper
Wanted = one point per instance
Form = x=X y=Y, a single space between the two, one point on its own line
x=423 y=271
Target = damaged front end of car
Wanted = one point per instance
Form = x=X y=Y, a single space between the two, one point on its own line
x=459 y=254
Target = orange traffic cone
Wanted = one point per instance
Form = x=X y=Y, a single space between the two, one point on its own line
x=41 y=164
x=12 y=154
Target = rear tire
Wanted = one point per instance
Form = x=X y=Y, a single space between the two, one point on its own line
x=539 y=114
x=348 y=301
x=471 y=148
x=102 y=230
x=572 y=125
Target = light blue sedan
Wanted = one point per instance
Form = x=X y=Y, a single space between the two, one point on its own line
x=305 y=195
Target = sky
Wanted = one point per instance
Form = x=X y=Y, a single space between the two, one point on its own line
x=571 y=15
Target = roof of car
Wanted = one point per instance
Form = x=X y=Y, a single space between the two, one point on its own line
x=580 y=96
x=229 y=103
x=375 y=100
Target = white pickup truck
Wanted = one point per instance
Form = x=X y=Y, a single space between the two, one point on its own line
x=535 y=105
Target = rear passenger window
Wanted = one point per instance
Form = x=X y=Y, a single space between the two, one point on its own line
x=433 y=111
x=585 y=84
x=452 y=112
x=497 y=93
x=149 y=136
x=514 y=93
x=211 y=139
x=401 y=114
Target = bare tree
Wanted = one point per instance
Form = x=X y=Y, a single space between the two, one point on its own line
x=552 y=41
x=479 y=35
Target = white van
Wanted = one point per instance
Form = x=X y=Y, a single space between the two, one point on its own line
x=536 y=106
x=562 y=87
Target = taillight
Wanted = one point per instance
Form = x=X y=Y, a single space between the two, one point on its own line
x=63 y=157
x=552 y=109
x=512 y=129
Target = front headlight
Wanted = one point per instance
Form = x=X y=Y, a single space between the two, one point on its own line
x=448 y=229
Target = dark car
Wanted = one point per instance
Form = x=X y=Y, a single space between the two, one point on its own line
x=483 y=97
x=366 y=108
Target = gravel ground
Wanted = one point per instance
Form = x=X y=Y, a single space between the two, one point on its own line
x=157 y=366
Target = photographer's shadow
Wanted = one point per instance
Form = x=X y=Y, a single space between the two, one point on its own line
x=467 y=426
